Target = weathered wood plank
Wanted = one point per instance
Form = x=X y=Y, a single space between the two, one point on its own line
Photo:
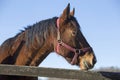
x=55 y=72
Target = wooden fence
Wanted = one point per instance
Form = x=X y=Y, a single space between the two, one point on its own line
x=57 y=73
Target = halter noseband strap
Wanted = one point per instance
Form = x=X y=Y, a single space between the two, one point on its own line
x=61 y=43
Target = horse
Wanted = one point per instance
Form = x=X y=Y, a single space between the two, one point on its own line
x=58 y=34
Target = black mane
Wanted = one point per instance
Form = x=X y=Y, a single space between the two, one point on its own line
x=40 y=32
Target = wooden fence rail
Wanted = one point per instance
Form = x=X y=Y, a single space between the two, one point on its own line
x=57 y=73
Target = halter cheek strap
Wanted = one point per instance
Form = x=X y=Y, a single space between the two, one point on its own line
x=76 y=52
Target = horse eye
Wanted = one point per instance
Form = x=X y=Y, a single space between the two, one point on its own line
x=74 y=33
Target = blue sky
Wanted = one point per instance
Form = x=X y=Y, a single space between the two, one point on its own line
x=99 y=20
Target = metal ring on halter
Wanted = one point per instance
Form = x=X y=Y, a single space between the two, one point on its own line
x=59 y=41
x=78 y=51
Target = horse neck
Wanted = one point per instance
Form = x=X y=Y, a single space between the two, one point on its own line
x=42 y=43
x=42 y=53
x=44 y=50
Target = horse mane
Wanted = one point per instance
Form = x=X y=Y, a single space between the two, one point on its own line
x=38 y=33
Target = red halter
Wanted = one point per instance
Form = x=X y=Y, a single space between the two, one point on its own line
x=61 y=43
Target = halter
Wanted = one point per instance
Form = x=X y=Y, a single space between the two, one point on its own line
x=61 y=43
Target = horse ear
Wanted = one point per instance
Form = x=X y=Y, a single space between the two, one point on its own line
x=65 y=14
x=72 y=12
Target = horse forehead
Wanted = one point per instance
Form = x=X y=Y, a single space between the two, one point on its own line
x=74 y=23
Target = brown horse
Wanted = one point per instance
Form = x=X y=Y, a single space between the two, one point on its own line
x=60 y=34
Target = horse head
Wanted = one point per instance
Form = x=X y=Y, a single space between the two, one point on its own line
x=70 y=42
